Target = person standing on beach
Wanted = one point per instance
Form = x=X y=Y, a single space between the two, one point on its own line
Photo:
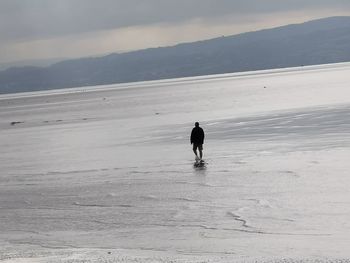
x=197 y=139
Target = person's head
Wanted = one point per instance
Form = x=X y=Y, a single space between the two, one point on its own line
x=196 y=124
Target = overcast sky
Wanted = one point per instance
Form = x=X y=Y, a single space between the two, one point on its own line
x=40 y=29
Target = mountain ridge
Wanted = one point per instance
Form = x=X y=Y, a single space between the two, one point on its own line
x=318 y=41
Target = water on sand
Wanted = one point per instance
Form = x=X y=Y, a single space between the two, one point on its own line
x=107 y=174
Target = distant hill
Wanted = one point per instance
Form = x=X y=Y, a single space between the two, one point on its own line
x=32 y=62
x=315 y=42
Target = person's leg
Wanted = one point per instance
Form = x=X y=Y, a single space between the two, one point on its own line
x=195 y=149
x=200 y=148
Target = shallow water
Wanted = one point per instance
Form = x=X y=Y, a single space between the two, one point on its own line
x=107 y=175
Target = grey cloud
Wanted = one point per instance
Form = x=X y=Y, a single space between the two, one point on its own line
x=36 y=19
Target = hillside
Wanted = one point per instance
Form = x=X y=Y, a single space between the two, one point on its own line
x=315 y=42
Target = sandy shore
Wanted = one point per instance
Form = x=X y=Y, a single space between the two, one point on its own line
x=107 y=175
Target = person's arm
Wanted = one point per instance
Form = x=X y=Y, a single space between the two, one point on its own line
x=202 y=136
x=191 y=139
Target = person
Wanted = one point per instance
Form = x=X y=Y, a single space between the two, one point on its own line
x=197 y=139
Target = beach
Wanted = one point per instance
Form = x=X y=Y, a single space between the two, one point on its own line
x=105 y=174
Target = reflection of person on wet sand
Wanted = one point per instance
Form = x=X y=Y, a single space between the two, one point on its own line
x=197 y=139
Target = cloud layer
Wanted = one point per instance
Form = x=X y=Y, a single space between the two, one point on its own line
x=82 y=27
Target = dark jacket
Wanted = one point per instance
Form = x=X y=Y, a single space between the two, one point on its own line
x=197 y=135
